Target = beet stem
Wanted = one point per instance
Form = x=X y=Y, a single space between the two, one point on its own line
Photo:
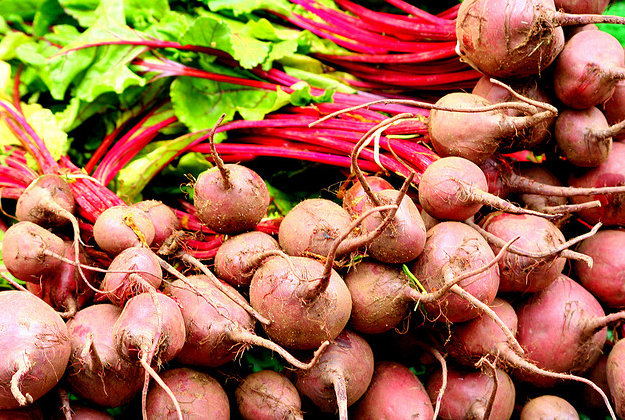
x=233 y=295
x=23 y=367
x=225 y=172
x=340 y=389
x=163 y=385
x=521 y=363
x=522 y=184
x=244 y=336
x=512 y=341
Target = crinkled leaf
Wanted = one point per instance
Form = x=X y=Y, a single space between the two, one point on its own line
x=199 y=103
x=84 y=11
x=11 y=42
x=213 y=33
x=302 y=95
x=140 y=14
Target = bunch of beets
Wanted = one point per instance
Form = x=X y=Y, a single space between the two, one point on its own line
x=509 y=287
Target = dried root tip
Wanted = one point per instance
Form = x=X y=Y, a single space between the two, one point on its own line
x=163 y=385
x=483 y=197
x=510 y=338
x=225 y=172
x=578 y=256
x=233 y=295
x=340 y=389
x=72 y=308
x=571 y=208
x=23 y=369
x=520 y=363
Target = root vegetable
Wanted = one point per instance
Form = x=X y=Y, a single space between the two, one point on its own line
x=268 y=395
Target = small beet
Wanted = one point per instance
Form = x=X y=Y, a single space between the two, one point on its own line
x=235 y=258
x=95 y=371
x=47 y=201
x=548 y=407
x=233 y=208
x=199 y=396
x=121 y=284
x=24 y=248
x=121 y=227
x=268 y=395
x=469 y=392
x=163 y=219
x=311 y=227
x=341 y=376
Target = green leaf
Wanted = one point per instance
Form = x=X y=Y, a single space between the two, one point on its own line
x=23 y=9
x=11 y=42
x=241 y=7
x=84 y=11
x=209 y=32
x=199 y=103
x=133 y=178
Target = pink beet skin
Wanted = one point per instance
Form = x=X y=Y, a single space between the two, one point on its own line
x=394 y=393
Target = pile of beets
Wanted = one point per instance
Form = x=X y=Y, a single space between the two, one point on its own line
x=501 y=277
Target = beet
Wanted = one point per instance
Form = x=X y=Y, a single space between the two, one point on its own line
x=199 y=396
x=404 y=237
x=609 y=173
x=588 y=69
x=24 y=248
x=521 y=273
x=121 y=227
x=132 y=271
x=302 y=314
x=584 y=137
x=218 y=329
x=583 y=6
x=565 y=310
x=311 y=227
x=95 y=371
x=514 y=39
x=232 y=206
x=614 y=108
x=64 y=289
x=548 y=407
x=477 y=135
x=163 y=219
x=47 y=201
x=268 y=395
x=615 y=371
x=35 y=349
x=341 y=376
x=354 y=198
x=454 y=188
x=469 y=393
x=394 y=393
x=604 y=279
x=450 y=249
x=236 y=258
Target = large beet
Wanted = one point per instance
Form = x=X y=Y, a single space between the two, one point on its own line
x=35 y=349
x=96 y=372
